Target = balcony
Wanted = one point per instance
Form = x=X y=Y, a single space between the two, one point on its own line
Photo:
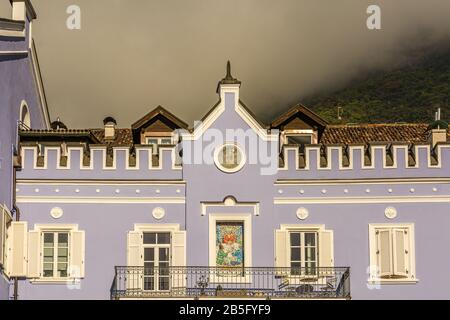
x=228 y=283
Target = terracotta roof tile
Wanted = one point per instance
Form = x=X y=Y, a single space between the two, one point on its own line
x=367 y=133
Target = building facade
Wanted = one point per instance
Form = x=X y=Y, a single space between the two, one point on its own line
x=229 y=208
x=22 y=99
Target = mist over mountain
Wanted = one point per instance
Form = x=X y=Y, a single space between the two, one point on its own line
x=411 y=93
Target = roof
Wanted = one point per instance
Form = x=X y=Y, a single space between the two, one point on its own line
x=159 y=111
x=299 y=108
x=367 y=133
x=122 y=137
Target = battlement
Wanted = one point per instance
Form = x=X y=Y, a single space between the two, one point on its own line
x=364 y=161
x=99 y=162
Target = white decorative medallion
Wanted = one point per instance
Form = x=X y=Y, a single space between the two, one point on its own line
x=302 y=213
x=158 y=213
x=229 y=158
x=390 y=212
x=56 y=212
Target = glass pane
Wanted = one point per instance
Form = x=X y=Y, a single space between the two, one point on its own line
x=63 y=239
x=63 y=252
x=295 y=239
x=166 y=141
x=149 y=238
x=310 y=239
x=163 y=254
x=152 y=141
x=295 y=268
x=149 y=268
x=149 y=283
x=48 y=269
x=295 y=254
x=299 y=139
x=310 y=268
x=149 y=254
x=229 y=157
x=48 y=253
x=310 y=254
x=163 y=283
x=164 y=238
x=48 y=239
x=164 y=268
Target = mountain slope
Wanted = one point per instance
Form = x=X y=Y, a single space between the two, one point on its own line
x=410 y=94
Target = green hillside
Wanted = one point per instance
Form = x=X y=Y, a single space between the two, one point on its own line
x=409 y=94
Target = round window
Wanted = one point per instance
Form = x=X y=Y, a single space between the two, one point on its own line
x=229 y=158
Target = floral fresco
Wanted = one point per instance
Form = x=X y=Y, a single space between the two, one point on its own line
x=229 y=245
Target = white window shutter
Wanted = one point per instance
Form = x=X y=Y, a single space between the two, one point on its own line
x=401 y=252
x=326 y=249
x=16 y=265
x=179 y=248
x=77 y=254
x=384 y=252
x=134 y=249
x=34 y=254
x=281 y=249
x=178 y=266
x=135 y=262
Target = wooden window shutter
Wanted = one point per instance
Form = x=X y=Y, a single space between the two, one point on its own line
x=178 y=270
x=77 y=254
x=34 y=254
x=326 y=249
x=2 y=234
x=401 y=252
x=135 y=258
x=281 y=249
x=16 y=265
x=384 y=252
x=134 y=249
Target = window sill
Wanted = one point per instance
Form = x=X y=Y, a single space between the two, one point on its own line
x=65 y=281
x=392 y=281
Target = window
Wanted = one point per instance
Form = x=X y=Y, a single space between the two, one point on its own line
x=299 y=139
x=229 y=158
x=55 y=254
x=156 y=261
x=303 y=252
x=392 y=252
x=157 y=141
x=230 y=244
x=25 y=118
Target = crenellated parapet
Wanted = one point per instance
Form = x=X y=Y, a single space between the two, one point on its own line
x=364 y=161
x=99 y=162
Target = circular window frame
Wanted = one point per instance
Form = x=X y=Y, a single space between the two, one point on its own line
x=228 y=170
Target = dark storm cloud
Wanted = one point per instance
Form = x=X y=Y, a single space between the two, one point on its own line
x=132 y=55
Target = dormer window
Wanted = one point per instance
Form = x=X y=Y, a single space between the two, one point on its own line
x=300 y=137
x=156 y=141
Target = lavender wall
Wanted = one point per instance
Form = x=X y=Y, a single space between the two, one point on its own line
x=16 y=84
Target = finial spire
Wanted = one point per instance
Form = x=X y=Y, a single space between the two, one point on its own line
x=228 y=78
x=228 y=71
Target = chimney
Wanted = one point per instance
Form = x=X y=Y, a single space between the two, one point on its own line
x=22 y=10
x=438 y=130
x=110 y=128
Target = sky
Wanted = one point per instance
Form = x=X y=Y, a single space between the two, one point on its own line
x=132 y=55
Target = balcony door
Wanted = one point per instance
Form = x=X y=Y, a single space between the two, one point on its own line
x=157 y=254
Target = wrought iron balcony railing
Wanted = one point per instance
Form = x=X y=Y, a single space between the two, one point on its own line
x=219 y=282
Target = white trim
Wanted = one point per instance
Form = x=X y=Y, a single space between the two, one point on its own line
x=329 y=182
x=9 y=53
x=101 y=200
x=246 y=219
x=58 y=182
x=206 y=205
x=151 y=227
x=12 y=33
x=94 y=150
x=302 y=227
x=395 y=150
x=358 y=200
x=231 y=170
